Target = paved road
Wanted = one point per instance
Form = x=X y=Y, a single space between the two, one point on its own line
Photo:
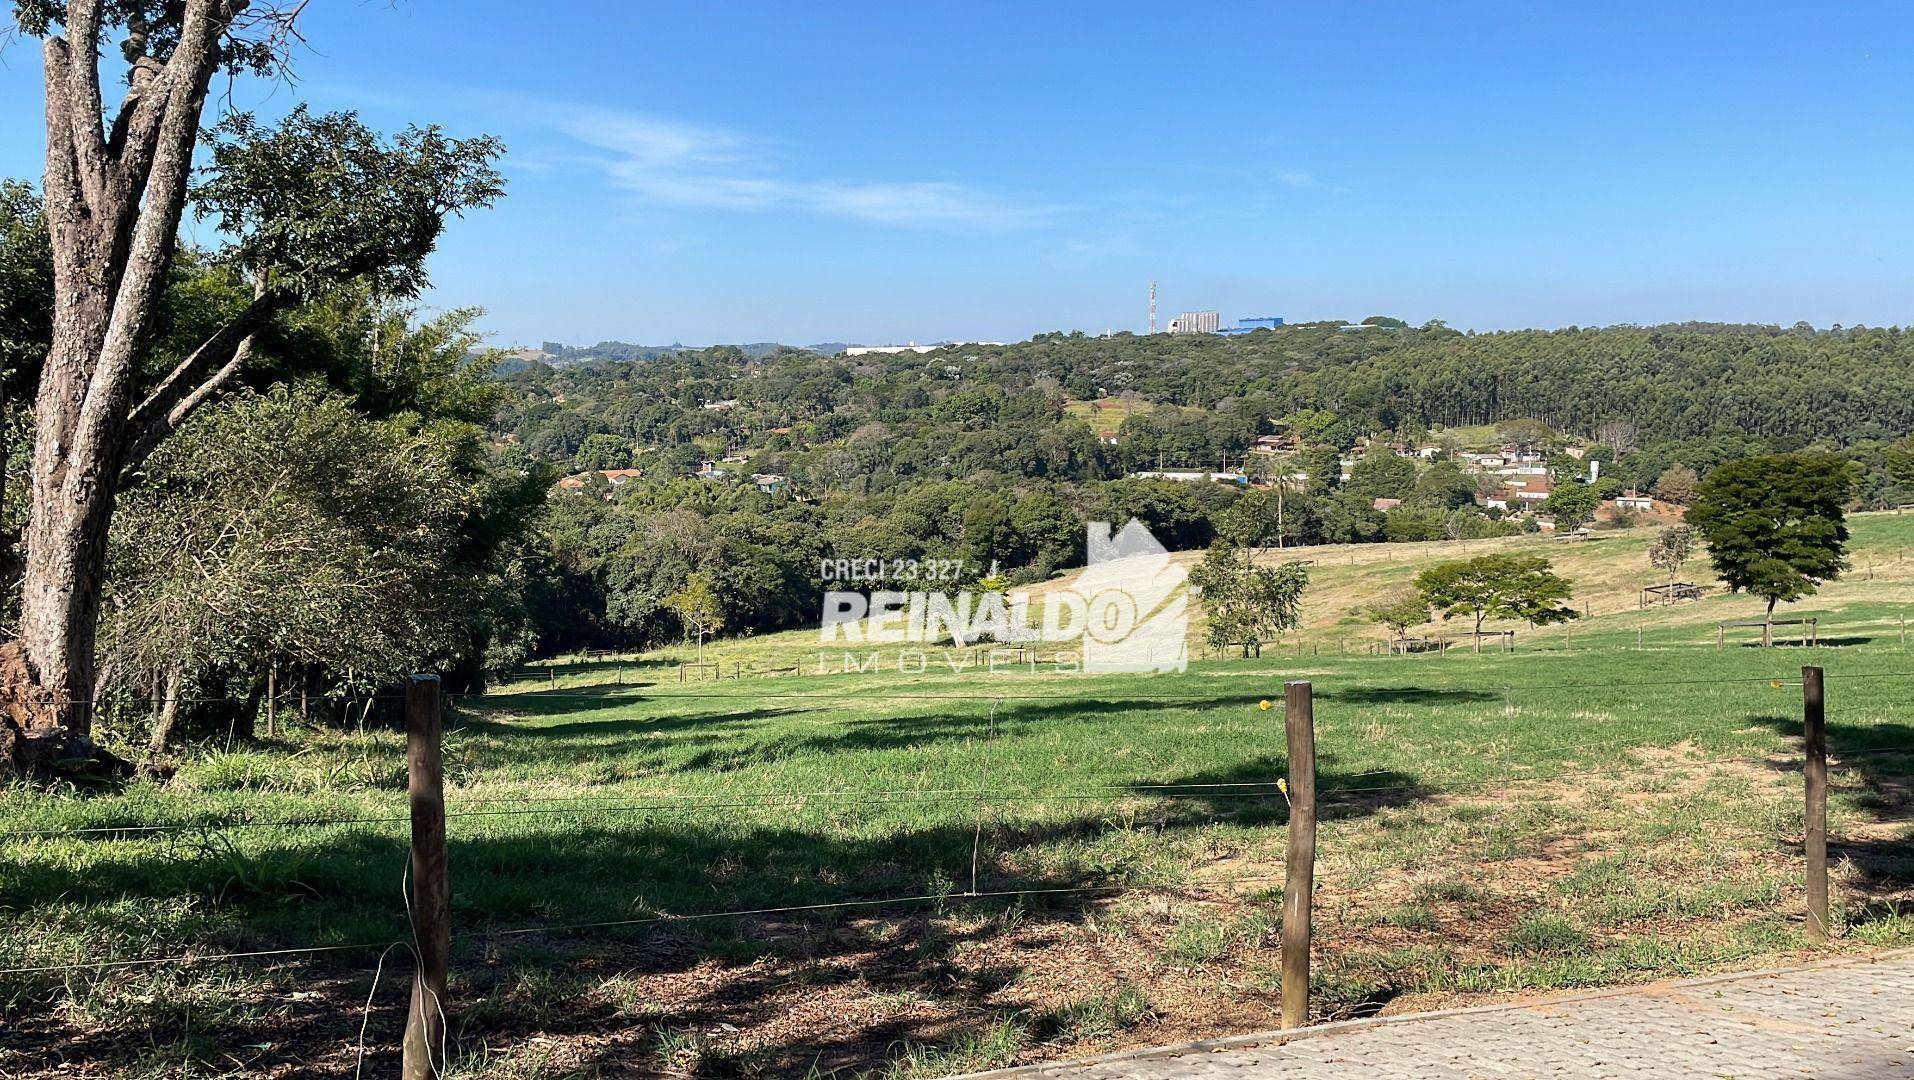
x=1844 y=1021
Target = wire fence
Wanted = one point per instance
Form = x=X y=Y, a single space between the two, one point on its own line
x=1001 y=797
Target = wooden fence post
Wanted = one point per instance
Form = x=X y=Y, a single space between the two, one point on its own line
x=1299 y=871
x=424 y=1053
x=272 y=700
x=1815 y=835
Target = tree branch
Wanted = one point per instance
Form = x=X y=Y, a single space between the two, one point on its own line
x=155 y=230
x=82 y=99
x=195 y=379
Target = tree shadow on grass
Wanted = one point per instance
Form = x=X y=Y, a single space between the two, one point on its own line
x=1012 y=718
x=1872 y=767
x=1248 y=790
x=1405 y=695
x=888 y=875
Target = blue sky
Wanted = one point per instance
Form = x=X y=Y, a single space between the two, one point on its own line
x=884 y=172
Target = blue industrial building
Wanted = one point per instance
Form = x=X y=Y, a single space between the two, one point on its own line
x=1260 y=322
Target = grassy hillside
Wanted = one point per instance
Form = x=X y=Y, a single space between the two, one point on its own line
x=1608 y=571
x=1496 y=824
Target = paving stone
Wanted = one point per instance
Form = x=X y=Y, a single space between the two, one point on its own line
x=1838 y=1022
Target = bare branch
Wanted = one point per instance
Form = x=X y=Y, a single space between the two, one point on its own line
x=195 y=379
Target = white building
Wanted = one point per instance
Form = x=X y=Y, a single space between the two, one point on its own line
x=1196 y=322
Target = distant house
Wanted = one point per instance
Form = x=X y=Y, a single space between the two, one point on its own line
x=769 y=483
x=1632 y=501
x=709 y=470
x=721 y=406
x=1192 y=476
x=1386 y=504
x=1275 y=444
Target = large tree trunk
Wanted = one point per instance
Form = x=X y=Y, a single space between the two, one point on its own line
x=113 y=202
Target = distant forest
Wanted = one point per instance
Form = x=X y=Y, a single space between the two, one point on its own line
x=998 y=454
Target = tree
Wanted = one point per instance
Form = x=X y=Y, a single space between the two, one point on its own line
x=1247 y=604
x=1678 y=484
x=288 y=528
x=1399 y=612
x=1444 y=486
x=1525 y=432
x=1899 y=459
x=1618 y=435
x=309 y=206
x=697 y=608
x=1775 y=524
x=1252 y=520
x=1500 y=587
x=26 y=325
x=602 y=451
x=1572 y=505
x=1672 y=549
x=1380 y=474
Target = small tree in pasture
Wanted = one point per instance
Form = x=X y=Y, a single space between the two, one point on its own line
x=1672 y=550
x=1499 y=587
x=1247 y=604
x=697 y=608
x=1572 y=505
x=1776 y=524
x=1399 y=612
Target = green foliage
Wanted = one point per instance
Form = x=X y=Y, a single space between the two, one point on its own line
x=1499 y=587
x=602 y=451
x=1443 y=486
x=1571 y=504
x=1380 y=474
x=1776 y=524
x=318 y=201
x=1400 y=611
x=288 y=526
x=696 y=606
x=1678 y=484
x=1672 y=549
x=1247 y=604
x=26 y=288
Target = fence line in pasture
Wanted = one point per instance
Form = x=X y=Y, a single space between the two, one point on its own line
x=679 y=802
x=428 y=930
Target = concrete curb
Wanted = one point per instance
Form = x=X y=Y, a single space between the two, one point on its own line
x=1277 y=1038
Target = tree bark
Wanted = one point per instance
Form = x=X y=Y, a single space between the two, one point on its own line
x=168 y=714
x=113 y=206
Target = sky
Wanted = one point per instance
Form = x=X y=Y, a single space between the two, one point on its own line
x=699 y=173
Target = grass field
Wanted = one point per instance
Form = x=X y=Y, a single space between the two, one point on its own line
x=1106 y=415
x=1578 y=813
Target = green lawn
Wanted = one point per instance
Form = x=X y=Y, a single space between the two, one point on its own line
x=1571 y=815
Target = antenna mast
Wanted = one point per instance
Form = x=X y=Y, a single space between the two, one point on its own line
x=1152 y=307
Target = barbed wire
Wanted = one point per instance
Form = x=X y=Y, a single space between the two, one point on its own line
x=638 y=693
x=560 y=928
x=1193 y=791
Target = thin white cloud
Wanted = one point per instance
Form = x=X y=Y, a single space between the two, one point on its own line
x=700 y=165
